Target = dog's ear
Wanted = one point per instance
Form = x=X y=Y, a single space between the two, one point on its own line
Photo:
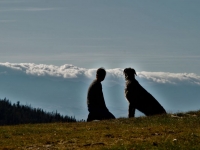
x=135 y=73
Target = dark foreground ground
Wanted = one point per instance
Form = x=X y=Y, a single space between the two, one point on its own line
x=177 y=131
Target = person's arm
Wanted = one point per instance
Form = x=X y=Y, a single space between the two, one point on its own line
x=101 y=96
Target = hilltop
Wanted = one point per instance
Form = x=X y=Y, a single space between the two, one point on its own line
x=172 y=131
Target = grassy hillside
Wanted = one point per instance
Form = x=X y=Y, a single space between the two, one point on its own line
x=180 y=131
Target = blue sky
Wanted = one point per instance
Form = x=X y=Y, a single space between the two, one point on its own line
x=156 y=35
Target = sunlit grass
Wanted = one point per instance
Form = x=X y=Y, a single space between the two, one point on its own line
x=180 y=131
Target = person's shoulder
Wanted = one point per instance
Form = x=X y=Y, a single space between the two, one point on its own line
x=95 y=83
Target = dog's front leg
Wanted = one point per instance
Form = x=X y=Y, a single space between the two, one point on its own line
x=131 y=110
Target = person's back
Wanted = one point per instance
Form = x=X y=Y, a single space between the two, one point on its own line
x=95 y=99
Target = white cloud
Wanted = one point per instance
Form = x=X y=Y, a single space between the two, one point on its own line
x=71 y=71
x=172 y=78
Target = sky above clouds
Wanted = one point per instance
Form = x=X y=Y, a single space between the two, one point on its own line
x=153 y=36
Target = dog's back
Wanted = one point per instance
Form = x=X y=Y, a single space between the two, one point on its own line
x=142 y=100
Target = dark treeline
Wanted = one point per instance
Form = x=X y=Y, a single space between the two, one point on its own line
x=12 y=114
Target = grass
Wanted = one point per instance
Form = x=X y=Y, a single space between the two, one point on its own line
x=166 y=132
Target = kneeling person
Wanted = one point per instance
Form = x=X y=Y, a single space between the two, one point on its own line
x=95 y=99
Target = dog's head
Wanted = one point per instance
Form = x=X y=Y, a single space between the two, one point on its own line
x=129 y=73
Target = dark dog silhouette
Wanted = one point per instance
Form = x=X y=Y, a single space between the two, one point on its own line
x=139 y=98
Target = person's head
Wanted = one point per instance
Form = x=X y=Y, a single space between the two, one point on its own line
x=129 y=73
x=100 y=74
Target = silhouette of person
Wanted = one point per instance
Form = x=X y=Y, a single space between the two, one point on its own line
x=139 y=98
x=95 y=99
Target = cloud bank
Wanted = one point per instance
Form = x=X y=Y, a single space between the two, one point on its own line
x=69 y=71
